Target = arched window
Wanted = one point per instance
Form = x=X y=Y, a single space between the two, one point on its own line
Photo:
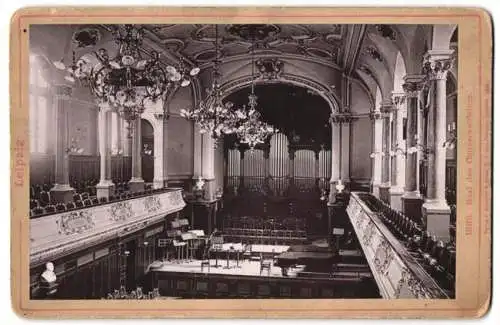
x=39 y=105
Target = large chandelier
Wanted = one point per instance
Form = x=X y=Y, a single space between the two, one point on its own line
x=213 y=116
x=127 y=82
x=253 y=130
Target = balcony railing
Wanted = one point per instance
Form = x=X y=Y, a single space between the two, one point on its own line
x=396 y=271
x=56 y=234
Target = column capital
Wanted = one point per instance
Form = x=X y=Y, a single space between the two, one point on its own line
x=413 y=85
x=437 y=63
x=386 y=106
x=398 y=98
x=340 y=118
x=63 y=91
x=376 y=115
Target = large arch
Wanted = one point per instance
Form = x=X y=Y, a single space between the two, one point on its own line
x=236 y=84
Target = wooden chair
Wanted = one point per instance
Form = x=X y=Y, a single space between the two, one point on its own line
x=265 y=265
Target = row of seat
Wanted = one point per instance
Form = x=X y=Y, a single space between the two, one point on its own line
x=258 y=222
x=435 y=256
x=81 y=201
x=264 y=232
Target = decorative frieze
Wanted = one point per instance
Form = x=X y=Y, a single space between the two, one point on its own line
x=396 y=273
x=120 y=211
x=153 y=204
x=76 y=222
x=52 y=235
x=341 y=118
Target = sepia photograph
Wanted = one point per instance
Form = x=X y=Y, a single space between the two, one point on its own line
x=277 y=161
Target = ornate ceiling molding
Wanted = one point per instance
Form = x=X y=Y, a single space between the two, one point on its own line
x=283 y=57
x=269 y=68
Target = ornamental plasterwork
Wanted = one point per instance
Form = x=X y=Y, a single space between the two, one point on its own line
x=152 y=203
x=269 y=68
x=384 y=255
x=369 y=232
x=413 y=88
x=437 y=67
x=75 y=222
x=175 y=199
x=121 y=211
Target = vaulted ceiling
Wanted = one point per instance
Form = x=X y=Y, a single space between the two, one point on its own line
x=364 y=52
x=196 y=42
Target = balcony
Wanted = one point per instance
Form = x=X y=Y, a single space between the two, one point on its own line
x=397 y=272
x=58 y=234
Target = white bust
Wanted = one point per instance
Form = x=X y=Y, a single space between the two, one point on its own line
x=49 y=275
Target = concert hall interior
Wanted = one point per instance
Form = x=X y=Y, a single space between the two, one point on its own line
x=242 y=161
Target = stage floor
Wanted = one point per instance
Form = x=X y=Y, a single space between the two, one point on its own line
x=245 y=268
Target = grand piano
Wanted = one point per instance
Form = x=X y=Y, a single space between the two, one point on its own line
x=313 y=257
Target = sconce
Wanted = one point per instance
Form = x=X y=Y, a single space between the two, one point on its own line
x=116 y=152
x=146 y=150
x=418 y=147
x=451 y=139
x=396 y=151
x=218 y=193
x=340 y=186
x=374 y=154
x=199 y=184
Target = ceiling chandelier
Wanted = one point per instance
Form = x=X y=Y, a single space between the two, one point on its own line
x=253 y=131
x=213 y=116
x=127 y=82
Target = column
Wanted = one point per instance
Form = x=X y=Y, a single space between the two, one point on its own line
x=105 y=188
x=435 y=210
x=332 y=205
x=62 y=191
x=207 y=168
x=411 y=199
x=345 y=142
x=335 y=160
x=127 y=137
x=160 y=151
x=136 y=183
x=386 y=111
x=376 y=155
x=398 y=152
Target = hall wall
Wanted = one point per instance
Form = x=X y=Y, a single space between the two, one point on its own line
x=361 y=135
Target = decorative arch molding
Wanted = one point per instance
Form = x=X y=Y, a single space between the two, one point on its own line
x=283 y=57
x=155 y=118
x=332 y=100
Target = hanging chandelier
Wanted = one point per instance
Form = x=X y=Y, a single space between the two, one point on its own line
x=253 y=131
x=213 y=116
x=127 y=82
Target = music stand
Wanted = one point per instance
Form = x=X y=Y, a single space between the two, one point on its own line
x=217 y=242
x=164 y=243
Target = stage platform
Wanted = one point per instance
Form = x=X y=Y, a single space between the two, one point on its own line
x=244 y=268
